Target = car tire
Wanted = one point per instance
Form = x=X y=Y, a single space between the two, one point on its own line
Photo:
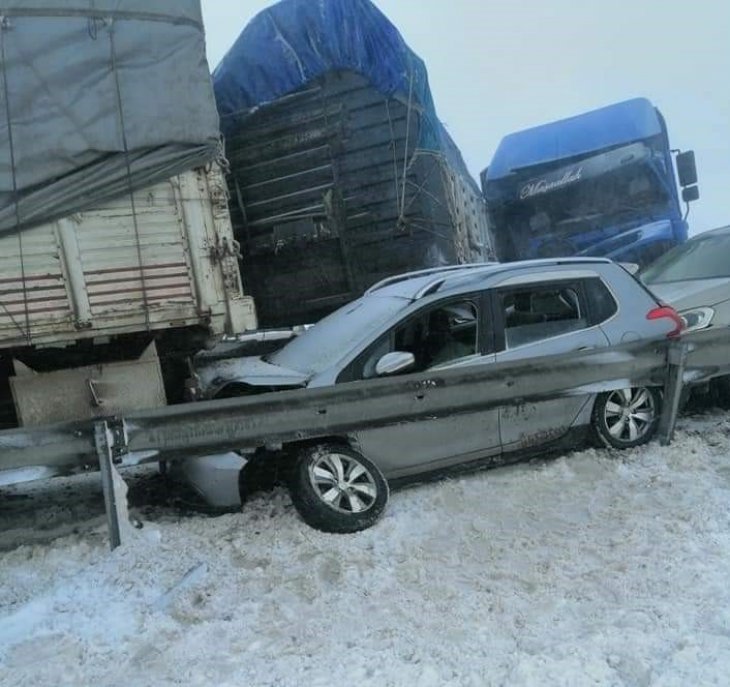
x=336 y=489
x=625 y=418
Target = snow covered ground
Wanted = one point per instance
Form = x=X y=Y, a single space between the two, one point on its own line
x=596 y=568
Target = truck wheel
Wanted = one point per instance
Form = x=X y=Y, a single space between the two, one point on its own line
x=335 y=489
x=625 y=418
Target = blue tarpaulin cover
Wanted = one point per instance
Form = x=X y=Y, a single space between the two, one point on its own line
x=294 y=42
x=618 y=124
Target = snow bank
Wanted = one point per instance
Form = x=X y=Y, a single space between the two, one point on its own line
x=596 y=568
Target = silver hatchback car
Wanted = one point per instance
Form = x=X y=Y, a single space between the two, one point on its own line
x=432 y=320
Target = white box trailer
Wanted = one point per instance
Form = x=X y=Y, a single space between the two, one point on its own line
x=79 y=296
x=117 y=259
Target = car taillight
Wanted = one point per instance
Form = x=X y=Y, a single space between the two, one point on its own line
x=666 y=311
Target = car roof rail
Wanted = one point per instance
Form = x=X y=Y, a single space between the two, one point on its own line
x=395 y=279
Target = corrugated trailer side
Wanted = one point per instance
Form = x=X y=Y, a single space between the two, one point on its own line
x=108 y=271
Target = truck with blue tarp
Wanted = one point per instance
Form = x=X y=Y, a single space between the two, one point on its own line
x=598 y=184
x=341 y=173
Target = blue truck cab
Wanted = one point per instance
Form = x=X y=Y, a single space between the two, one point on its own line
x=598 y=184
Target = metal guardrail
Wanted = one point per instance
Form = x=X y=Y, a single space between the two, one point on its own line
x=175 y=432
x=708 y=354
x=272 y=419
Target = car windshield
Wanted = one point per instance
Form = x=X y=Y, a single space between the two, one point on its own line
x=334 y=336
x=701 y=258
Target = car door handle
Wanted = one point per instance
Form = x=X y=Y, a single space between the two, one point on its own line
x=586 y=348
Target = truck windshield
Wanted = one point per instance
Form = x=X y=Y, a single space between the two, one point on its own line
x=337 y=334
x=616 y=197
x=564 y=210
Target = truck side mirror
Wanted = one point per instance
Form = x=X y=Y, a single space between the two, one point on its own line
x=686 y=169
x=690 y=194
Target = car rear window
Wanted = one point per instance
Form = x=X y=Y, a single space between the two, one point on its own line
x=540 y=312
x=602 y=303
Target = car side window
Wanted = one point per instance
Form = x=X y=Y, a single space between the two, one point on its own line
x=541 y=311
x=451 y=333
x=435 y=336
x=602 y=303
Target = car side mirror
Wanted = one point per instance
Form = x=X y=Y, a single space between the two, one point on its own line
x=686 y=168
x=393 y=363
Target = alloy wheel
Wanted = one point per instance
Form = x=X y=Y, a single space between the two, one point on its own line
x=343 y=483
x=630 y=414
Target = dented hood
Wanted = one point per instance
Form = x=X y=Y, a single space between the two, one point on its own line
x=252 y=371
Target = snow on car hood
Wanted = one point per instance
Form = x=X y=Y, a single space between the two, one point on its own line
x=253 y=371
x=693 y=293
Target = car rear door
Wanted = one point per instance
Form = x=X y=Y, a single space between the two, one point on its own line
x=535 y=319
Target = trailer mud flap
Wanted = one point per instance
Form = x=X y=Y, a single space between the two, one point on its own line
x=87 y=392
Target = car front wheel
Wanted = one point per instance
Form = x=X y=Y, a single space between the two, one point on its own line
x=336 y=489
x=625 y=418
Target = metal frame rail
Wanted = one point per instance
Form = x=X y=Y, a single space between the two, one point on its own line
x=278 y=418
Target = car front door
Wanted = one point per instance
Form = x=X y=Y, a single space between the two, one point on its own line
x=540 y=319
x=451 y=333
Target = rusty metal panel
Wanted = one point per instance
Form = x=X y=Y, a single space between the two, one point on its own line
x=100 y=272
x=33 y=288
x=88 y=392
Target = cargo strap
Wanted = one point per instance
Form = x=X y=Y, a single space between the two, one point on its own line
x=125 y=143
x=402 y=208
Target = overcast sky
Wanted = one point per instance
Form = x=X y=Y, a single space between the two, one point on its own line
x=497 y=66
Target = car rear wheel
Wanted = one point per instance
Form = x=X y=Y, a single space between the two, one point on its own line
x=336 y=489
x=625 y=418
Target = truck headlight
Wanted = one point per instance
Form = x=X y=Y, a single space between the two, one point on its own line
x=697 y=318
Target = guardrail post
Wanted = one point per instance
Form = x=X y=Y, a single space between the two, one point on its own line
x=676 y=359
x=108 y=450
